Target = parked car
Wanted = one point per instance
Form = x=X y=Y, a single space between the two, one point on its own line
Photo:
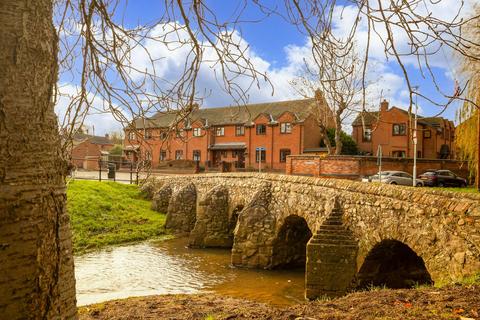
x=442 y=178
x=394 y=177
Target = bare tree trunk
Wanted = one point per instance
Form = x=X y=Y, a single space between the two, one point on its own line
x=325 y=139
x=477 y=178
x=36 y=263
x=338 y=134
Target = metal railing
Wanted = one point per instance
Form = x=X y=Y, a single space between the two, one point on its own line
x=108 y=170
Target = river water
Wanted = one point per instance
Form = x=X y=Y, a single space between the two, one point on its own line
x=169 y=267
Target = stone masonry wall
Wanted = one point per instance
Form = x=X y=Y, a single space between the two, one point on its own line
x=161 y=199
x=443 y=228
x=212 y=225
x=181 y=212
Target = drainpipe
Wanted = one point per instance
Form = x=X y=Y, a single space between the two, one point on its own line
x=415 y=146
x=249 y=145
x=271 y=148
x=300 y=151
x=207 y=133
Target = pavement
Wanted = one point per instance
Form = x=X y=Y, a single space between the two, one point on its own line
x=121 y=176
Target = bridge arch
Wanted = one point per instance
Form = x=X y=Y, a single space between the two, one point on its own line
x=290 y=244
x=440 y=227
x=392 y=264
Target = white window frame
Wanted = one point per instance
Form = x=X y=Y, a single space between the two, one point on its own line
x=286 y=127
x=197 y=132
x=219 y=131
x=178 y=154
x=197 y=155
x=163 y=155
x=240 y=128
x=260 y=154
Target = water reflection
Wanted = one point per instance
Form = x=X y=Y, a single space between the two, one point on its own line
x=169 y=267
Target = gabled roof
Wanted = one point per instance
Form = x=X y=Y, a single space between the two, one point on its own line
x=370 y=117
x=81 y=137
x=232 y=115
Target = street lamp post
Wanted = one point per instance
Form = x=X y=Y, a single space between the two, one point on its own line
x=415 y=140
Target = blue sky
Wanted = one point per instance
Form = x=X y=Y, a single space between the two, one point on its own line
x=279 y=47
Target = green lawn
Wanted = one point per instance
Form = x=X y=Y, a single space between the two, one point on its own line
x=106 y=213
x=467 y=190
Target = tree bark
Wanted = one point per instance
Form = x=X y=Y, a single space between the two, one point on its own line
x=326 y=140
x=477 y=178
x=338 y=134
x=36 y=263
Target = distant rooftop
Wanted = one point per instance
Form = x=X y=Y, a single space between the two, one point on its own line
x=232 y=115
x=80 y=137
x=370 y=117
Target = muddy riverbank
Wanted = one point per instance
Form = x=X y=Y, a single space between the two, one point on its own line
x=453 y=302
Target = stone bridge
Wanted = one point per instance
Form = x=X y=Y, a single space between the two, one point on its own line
x=346 y=234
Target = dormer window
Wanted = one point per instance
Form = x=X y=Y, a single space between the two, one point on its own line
x=197 y=132
x=261 y=129
x=285 y=127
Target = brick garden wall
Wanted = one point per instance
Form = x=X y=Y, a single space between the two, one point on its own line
x=355 y=167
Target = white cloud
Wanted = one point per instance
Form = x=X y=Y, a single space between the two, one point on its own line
x=98 y=118
x=169 y=63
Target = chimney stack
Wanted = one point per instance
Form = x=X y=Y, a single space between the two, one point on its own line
x=107 y=136
x=384 y=105
x=319 y=95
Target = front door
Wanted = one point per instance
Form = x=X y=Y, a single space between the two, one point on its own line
x=241 y=159
x=217 y=157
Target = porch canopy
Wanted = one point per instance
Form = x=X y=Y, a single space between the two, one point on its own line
x=131 y=148
x=228 y=146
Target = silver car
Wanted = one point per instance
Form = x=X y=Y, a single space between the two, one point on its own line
x=394 y=177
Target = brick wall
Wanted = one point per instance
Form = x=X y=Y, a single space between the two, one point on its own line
x=303 y=135
x=86 y=154
x=303 y=165
x=355 y=167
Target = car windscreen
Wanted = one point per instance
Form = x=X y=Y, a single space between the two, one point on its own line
x=383 y=173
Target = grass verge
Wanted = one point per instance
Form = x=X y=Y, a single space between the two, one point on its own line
x=107 y=213
x=464 y=190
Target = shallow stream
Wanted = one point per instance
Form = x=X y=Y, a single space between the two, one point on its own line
x=169 y=267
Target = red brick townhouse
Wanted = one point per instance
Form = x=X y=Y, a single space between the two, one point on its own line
x=241 y=136
x=88 y=149
x=390 y=127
